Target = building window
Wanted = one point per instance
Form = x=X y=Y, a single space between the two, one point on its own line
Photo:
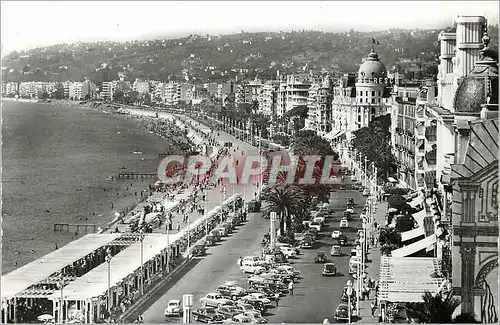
x=373 y=100
x=468 y=205
x=373 y=110
x=373 y=92
x=366 y=93
x=359 y=118
x=379 y=100
x=361 y=100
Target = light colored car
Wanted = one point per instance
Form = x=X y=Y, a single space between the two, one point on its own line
x=257 y=260
x=315 y=225
x=344 y=223
x=259 y=297
x=289 y=269
x=350 y=210
x=214 y=299
x=255 y=316
x=366 y=192
x=279 y=245
x=238 y=319
x=336 y=234
x=174 y=308
x=252 y=267
x=288 y=252
x=243 y=307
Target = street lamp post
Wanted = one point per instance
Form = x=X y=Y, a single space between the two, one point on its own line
x=349 y=293
x=168 y=246
x=358 y=275
x=141 y=280
x=366 y=171
x=61 y=285
x=108 y=260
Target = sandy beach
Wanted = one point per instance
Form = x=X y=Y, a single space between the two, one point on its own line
x=56 y=163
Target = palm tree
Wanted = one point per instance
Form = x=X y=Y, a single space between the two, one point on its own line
x=434 y=308
x=286 y=201
x=389 y=239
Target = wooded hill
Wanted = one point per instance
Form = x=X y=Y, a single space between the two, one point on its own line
x=217 y=58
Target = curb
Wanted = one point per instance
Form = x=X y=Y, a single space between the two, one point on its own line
x=140 y=302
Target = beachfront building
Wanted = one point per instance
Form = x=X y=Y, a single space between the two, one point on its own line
x=359 y=98
x=108 y=88
x=141 y=86
x=76 y=90
x=311 y=121
x=403 y=123
x=10 y=88
x=267 y=98
x=172 y=93
x=187 y=93
x=474 y=174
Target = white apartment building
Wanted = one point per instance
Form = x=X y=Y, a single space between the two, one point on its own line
x=76 y=90
x=172 y=93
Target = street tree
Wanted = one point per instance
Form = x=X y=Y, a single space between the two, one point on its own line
x=374 y=142
x=286 y=201
x=435 y=309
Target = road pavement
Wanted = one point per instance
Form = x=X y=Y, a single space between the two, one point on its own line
x=315 y=296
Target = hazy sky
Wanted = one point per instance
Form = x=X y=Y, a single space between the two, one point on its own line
x=28 y=24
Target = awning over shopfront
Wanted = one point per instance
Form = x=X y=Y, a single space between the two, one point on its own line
x=415 y=247
x=32 y=273
x=407 y=235
x=330 y=135
x=420 y=216
x=338 y=135
x=122 y=265
x=406 y=279
x=416 y=201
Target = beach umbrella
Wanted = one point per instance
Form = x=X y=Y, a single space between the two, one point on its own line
x=45 y=317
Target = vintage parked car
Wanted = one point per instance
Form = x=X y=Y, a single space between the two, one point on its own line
x=214 y=299
x=288 y=252
x=227 y=311
x=210 y=240
x=258 y=305
x=237 y=319
x=329 y=269
x=207 y=315
x=252 y=267
x=315 y=225
x=307 y=242
x=174 y=308
x=199 y=250
x=289 y=269
x=231 y=291
x=223 y=231
x=343 y=240
x=336 y=250
x=320 y=258
x=243 y=307
x=258 y=297
x=255 y=316
x=279 y=245
x=342 y=313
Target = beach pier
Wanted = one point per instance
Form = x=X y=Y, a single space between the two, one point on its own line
x=132 y=175
x=85 y=228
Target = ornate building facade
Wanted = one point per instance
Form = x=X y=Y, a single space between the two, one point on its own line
x=474 y=181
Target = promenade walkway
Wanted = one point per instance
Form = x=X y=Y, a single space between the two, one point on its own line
x=373 y=269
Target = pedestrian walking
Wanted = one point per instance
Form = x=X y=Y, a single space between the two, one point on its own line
x=178 y=226
x=373 y=307
x=277 y=298
x=290 y=287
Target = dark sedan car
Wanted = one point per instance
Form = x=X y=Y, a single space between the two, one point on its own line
x=343 y=240
x=207 y=315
